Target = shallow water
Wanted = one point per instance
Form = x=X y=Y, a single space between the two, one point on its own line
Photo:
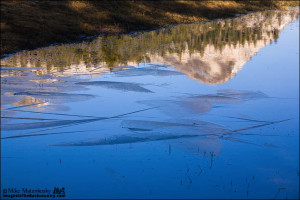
x=192 y=111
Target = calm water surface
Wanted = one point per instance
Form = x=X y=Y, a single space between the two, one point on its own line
x=192 y=111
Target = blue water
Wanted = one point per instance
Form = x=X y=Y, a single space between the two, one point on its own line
x=261 y=162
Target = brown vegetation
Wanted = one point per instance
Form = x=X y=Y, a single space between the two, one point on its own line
x=32 y=23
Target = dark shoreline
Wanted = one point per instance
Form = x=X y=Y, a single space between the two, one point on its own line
x=25 y=34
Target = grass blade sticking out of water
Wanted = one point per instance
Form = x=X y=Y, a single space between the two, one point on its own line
x=124 y=86
x=165 y=131
x=193 y=127
x=61 y=114
x=144 y=125
x=246 y=119
x=90 y=120
x=234 y=139
x=258 y=134
x=41 y=134
x=260 y=125
x=190 y=127
x=35 y=125
x=29 y=118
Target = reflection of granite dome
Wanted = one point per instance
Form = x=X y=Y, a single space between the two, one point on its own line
x=214 y=66
x=201 y=71
x=217 y=66
x=216 y=71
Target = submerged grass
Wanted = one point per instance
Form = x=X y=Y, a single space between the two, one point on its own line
x=27 y=24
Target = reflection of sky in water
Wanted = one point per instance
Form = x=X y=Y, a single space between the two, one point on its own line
x=196 y=167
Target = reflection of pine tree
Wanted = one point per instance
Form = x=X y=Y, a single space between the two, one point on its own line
x=117 y=50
